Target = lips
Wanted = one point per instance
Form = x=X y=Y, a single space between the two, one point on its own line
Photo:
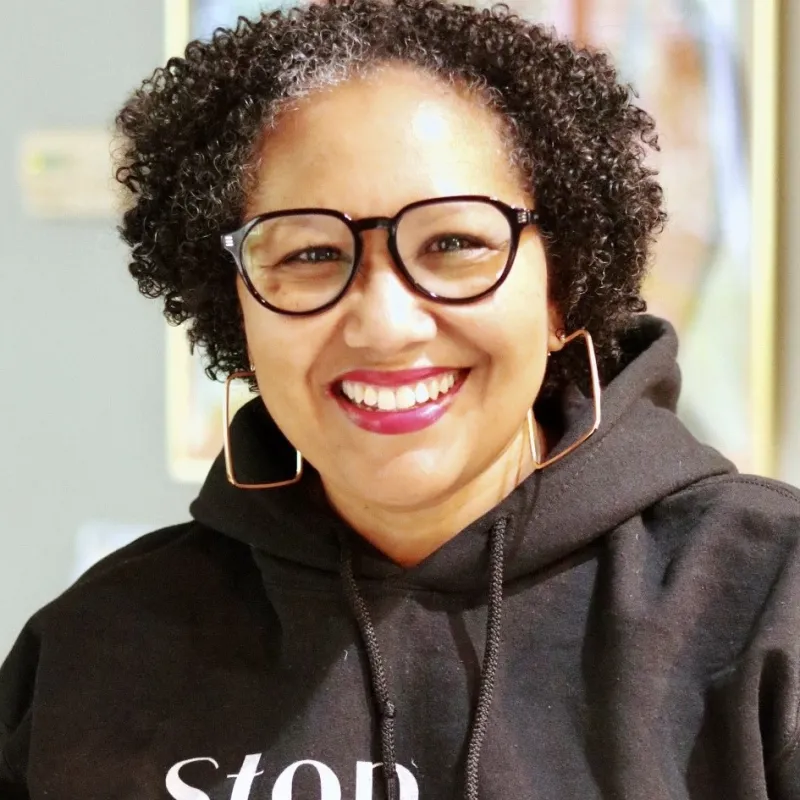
x=397 y=402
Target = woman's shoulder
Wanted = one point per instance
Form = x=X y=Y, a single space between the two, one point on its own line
x=736 y=494
x=153 y=551
x=173 y=567
x=147 y=549
x=732 y=516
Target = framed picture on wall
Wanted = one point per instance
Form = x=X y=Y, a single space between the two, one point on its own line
x=707 y=71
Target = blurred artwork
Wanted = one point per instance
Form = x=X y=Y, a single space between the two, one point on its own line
x=207 y=15
x=686 y=59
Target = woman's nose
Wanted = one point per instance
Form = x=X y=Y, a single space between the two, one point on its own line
x=383 y=313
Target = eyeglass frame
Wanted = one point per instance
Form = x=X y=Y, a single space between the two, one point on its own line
x=518 y=219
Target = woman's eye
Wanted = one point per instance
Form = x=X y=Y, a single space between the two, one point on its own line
x=315 y=255
x=453 y=243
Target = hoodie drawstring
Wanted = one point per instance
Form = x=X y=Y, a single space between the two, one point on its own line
x=379 y=684
x=491 y=655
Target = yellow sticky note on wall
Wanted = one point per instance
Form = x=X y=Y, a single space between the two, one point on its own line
x=68 y=174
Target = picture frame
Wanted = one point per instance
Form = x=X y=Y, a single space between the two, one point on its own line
x=718 y=265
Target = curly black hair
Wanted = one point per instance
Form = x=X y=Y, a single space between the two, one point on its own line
x=190 y=137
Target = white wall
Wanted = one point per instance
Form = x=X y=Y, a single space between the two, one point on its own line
x=81 y=353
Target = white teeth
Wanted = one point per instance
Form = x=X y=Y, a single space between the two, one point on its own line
x=387 y=400
x=402 y=398
x=370 y=396
x=406 y=397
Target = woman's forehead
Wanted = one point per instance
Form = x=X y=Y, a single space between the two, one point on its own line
x=393 y=137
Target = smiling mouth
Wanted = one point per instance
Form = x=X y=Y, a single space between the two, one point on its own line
x=408 y=397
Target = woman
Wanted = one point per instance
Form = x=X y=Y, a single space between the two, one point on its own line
x=421 y=230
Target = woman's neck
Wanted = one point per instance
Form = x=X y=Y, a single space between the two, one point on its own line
x=409 y=535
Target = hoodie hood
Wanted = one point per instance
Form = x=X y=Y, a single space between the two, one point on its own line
x=640 y=454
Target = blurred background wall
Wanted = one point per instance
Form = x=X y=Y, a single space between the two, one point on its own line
x=789 y=295
x=82 y=355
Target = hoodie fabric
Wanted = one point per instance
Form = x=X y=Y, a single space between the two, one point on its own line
x=625 y=624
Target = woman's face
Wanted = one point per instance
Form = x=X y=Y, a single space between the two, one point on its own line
x=367 y=148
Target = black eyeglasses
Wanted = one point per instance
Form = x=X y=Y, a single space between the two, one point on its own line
x=451 y=249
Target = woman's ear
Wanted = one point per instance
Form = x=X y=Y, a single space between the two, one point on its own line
x=556 y=334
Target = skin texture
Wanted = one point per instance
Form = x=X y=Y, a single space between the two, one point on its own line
x=368 y=147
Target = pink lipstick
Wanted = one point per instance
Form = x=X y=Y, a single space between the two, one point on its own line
x=431 y=391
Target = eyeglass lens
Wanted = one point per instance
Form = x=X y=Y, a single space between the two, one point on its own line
x=454 y=250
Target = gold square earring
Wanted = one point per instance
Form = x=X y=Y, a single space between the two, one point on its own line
x=595 y=390
x=228 y=450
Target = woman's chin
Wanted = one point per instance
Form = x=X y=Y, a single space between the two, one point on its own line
x=399 y=485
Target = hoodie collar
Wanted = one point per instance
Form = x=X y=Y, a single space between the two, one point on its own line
x=640 y=454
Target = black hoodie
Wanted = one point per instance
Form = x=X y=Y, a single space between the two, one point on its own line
x=626 y=624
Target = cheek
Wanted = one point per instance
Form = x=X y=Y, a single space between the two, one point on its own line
x=281 y=356
x=528 y=274
x=281 y=360
x=521 y=307
x=285 y=351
